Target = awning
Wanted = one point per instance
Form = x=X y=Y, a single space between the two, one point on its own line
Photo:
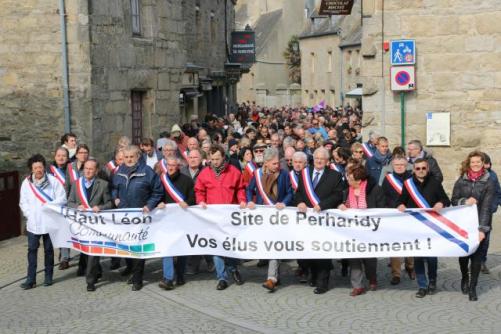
x=357 y=92
x=190 y=92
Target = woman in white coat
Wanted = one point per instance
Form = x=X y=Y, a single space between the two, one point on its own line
x=38 y=189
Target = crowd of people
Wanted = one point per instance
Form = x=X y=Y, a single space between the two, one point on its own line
x=272 y=156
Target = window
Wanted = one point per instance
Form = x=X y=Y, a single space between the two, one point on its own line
x=135 y=10
x=137 y=116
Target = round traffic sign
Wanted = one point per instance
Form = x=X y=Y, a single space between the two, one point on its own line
x=402 y=78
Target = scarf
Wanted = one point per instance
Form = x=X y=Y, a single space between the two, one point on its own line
x=270 y=184
x=219 y=170
x=475 y=176
x=42 y=183
x=360 y=202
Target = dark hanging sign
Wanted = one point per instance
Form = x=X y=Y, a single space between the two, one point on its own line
x=243 y=47
x=335 y=7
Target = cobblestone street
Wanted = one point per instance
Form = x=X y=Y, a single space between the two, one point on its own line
x=198 y=307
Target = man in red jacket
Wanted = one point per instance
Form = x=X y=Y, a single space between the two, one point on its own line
x=221 y=184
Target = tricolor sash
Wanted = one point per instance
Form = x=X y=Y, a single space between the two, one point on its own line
x=58 y=174
x=112 y=167
x=171 y=189
x=163 y=166
x=74 y=175
x=417 y=197
x=42 y=196
x=308 y=186
x=185 y=155
x=250 y=167
x=395 y=183
x=367 y=151
x=294 y=179
x=258 y=174
x=335 y=167
x=82 y=193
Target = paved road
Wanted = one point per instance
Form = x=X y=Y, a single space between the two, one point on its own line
x=198 y=308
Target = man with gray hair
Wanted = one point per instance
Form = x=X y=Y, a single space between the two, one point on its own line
x=319 y=188
x=136 y=185
x=286 y=161
x=415 y=151
x=168 y=150
x=271 y=186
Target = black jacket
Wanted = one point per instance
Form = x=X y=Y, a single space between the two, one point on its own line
x=185 y=185
x=431 y=190
x=483 y=191
x=329 y=190
x=390 y=194
x=435 y=170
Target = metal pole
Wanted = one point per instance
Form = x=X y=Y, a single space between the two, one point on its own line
x=402 y=117
x=64 y=60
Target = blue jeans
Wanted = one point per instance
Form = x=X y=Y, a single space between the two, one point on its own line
x=168 y=267
x=33 y=244
x=420 y=270
x=224 y=266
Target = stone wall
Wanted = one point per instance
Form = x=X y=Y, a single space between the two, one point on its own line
x=458 y=70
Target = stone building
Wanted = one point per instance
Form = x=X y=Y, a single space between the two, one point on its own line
x=458 y=70
x=330 y=58
x=135 y=67
x=274 y=23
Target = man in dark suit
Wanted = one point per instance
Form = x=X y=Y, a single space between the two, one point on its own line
x=319 y=188
x=93 y=193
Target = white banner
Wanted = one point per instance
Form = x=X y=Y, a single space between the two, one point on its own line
x=265 y=233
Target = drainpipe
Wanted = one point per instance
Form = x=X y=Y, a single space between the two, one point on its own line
x=64 y=54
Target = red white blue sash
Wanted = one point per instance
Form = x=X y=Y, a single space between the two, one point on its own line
x=308 y=187
x=163 y=166
x=395 y=183
x=417 y=197
x=58 y=174
x=42 y=196
x=112 y=167
x=258 y=174
x=250 y=167
x=82 y=193
x=185 y=154
x=367 y=151
x=171 y=189
x=73 y=174
x=294 y=179
x=336 y=168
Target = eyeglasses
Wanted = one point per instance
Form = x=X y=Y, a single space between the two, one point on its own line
x=359 y=151
x=258 y=151
x=288 y=160
x=420 y=168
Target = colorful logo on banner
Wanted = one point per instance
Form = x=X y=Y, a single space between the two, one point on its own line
x=171 y=189
x=395 y=183
x=294 y=179
x=367 y=151
x=58 y=174
x=105 y=248
x=308 y=186
x=42 y=196
x=258 y=174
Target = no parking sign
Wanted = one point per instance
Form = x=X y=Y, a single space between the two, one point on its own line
x=402 y=78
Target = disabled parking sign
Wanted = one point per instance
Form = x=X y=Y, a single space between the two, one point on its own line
x=403 y=52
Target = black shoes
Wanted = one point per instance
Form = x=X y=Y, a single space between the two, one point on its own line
x=465 y=285
x=27 y=285
x=237 y=277
x=395 y=280
x=166 y=284
x=432 y=287
x=91 y=287
x=472 y=295
x=221 y=285
x=137 y=286
x=180 y=281
x=421 y=293
x=319 y=291
x=484 y=269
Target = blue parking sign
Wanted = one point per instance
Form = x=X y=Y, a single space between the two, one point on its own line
x=403 y=52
